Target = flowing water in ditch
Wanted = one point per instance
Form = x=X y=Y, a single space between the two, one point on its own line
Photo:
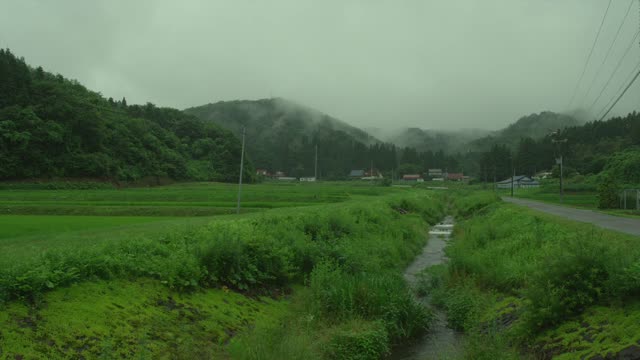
x=440 y=342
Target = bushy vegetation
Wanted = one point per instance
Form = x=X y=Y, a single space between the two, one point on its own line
x=467 y=203
x=608 y=190
x=624 y=166
x=518 y=272
x=348 y=254
x=54 y=127
x=341 y=296
x=359 y=340
x=356 y=304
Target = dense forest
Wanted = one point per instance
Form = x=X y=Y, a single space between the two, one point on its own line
x=586 y=149
x=54 y=127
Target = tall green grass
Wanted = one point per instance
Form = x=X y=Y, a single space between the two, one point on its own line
x=348 y=254
x=551 y=271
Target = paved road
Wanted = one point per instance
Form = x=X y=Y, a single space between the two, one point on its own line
x=621 y=224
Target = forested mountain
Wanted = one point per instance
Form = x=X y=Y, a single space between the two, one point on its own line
x=587 y=149
x=54 y=127
x=534 y=126
x=282 y=135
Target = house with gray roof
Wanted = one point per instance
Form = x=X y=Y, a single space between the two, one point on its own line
x=356 y=174
x=519 y=182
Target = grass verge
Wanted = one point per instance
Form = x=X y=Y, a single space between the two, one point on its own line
x=517 y=279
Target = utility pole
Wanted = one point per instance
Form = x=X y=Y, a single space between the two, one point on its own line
x=241 y=170
x=560 y=161
x=495 y=186
x=315 y=172
x=512 y=178
x=561 y=178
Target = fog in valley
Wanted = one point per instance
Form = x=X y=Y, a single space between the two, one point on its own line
x=373 y=64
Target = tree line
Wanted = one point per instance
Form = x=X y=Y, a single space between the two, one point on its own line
x=51 y=126
x=586 y=149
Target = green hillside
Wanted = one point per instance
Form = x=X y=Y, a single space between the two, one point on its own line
x=51 y=126
x=535 y=126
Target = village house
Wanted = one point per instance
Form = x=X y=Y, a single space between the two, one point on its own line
x=434 y=173
x=356 y=174
x=519 y=182
x=372 y=174
x=412 y=178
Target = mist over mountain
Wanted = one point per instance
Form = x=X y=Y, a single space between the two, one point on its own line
x=267 y=117
x=282 y=135
x=535 y=126
x=435 y=140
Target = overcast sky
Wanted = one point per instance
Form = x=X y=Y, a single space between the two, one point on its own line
x=431 y=64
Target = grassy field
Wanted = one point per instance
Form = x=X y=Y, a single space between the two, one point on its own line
x=190 y=199
x=174 y=285
x=12 y=226
x=35 y=221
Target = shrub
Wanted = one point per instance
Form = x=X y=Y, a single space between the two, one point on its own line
x=244 y=264
x=463 y=306
x=625 y=166
x=358 y=340
x=572 y=277
x=608 y=193
x=342 y=296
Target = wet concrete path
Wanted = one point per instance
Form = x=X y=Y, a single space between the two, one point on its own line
x=440 y=342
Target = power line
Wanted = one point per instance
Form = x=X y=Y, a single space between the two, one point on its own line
x=633 y=41
x=636 y=68
x=621 y=95
x=624 y=20
x=586 y=64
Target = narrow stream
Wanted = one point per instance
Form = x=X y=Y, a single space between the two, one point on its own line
x=440 y=342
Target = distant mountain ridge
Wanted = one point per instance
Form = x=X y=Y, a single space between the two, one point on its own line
x=436 y=140
x=282 y=135
x=273 y=113
x=535 y=126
